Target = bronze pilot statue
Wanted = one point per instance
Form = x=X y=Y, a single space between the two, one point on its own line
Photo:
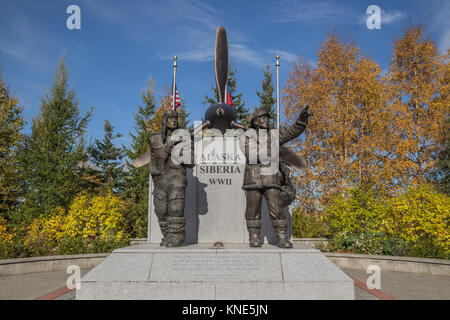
x=169 y=181
x=276 y=188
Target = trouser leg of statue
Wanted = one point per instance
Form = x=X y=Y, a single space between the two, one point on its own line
x=168 y=198
x=253 y=217
x=171 y=220
x=176 y=222
x=279 y=223
x=254 y=233
x=176 y=231
x=281 y=230
x=163 y=225
x=276 y=213
x=160 y=203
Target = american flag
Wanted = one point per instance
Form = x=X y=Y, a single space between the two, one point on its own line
x=177 y=99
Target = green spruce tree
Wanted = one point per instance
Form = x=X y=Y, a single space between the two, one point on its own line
x=107 y=160
x=55 y=151
x=136 y=187
x=183 y=122
x=266 y=99
x=11 y=124
x=238 y=103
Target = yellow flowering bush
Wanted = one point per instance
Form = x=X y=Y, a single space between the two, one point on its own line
x=415 y=223
x=91 y=224
x=356 y=211
x=99 y=217
x=422 y=214
x=6 y=240
x=44 y=232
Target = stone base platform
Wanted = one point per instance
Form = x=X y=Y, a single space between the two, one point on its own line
x=200 y=272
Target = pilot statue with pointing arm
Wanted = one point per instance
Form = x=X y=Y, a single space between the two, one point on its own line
x=276 y=188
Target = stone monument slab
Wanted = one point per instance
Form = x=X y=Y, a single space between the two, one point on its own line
x=198 y=272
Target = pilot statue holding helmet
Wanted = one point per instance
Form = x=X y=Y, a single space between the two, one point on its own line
x=169 y=180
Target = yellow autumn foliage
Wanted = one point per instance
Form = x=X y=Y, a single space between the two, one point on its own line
x=99 y=217
x=420 y=217
x=88 y=220
x=44 y=232
x=369 y=128
x=421 y=213
x=6 y=240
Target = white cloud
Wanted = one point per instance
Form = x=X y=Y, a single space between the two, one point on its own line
x=313 y=12
x=444 y=41
x=291 y=58
x=191 y=23
x=27 y=42
x=387 y=17
x=328 y=12
x=284 y=55
x=244 y=54
x=392 y=16
x=441 y=25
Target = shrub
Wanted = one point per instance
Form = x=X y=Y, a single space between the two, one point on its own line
x=394 y=246
x=6 y=240
x=72 y=245
x=136 y=218
x=367 y=243
x=421 y=218
x=425 y=248
x=43 y=233
x=92 y=224
x=97 y=218
x=78 y=245
x=356 y=211
x=307 y=225
x=415 y=223
x=363 y=243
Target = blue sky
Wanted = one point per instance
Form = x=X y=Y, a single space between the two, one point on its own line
x=122 y=43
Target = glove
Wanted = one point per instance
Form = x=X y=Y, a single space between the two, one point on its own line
x=305 y=114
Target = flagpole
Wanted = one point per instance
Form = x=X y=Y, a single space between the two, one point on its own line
x=278 y=91
x=174 y=81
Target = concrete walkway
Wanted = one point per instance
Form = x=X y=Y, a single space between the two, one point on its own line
x=409 y=286
x=33 y=285
x=399 y=285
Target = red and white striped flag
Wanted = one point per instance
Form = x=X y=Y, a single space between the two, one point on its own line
x=177 y=99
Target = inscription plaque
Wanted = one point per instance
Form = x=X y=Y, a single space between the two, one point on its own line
x=215 y=267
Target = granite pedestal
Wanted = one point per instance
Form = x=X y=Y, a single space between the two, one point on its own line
x=199 y=272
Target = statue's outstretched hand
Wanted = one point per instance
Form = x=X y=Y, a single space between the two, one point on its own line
x=305 y=114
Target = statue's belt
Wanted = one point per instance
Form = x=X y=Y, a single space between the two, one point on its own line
x=260 y=186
